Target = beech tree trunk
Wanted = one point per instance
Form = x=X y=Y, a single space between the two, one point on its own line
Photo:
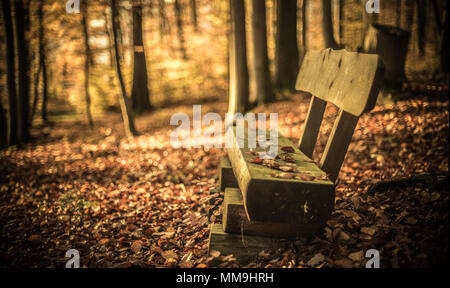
x=22 y=27
x=127 y=113
x=87 y=61
x=444 y=44
x=286 y=51
x=139 y=94
x=391 y=43
x=421 y=21
x=238 y=98
x=304 y=26
x=194 y=15
x=3 y=128
x=180 y=32
x=10 y=75
x=164 y=27
x=327 y=25
x=262 y=90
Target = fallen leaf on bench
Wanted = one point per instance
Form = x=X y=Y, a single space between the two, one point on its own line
x=256 y=160
x=287 y=149
x=305 y=177
x=287 y=158
x=287 y=168
x=271 y=164
x=309 y=161
x=285 y=175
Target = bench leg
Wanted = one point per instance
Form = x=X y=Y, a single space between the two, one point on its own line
x=226 y=175
x=234 y=220
x=244 y=248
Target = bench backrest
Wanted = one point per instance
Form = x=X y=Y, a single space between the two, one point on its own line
x=349 y=80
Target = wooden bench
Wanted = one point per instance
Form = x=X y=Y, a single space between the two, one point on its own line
x=278 y=204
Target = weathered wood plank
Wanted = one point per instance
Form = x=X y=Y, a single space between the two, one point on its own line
x=349 y=80
x=244 y=248
x=312 y=126
x=271 y=199
x=337 y=144
x=226 y=175
x=235 y=220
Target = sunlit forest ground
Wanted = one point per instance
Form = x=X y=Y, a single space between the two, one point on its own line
x=141 y=203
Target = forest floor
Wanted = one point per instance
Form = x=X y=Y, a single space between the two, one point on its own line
x=142 y=203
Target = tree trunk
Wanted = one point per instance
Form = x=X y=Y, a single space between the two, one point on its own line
x=11 y=74
x=327 y=25
x=194 y=15
x=239 y=90
x=286 y=51
x=108 y=34
x=421 y=19
x=164 y=27
x=398 y=12
x=444 y=44
x=180 y=33
x=22 y=27
x=87 y=61
x=127 y=113
x=262 y=91
x=341 y=22
x=44 y=82
x=139 y=94
x=391 y=44
x=304 y=26
x=36 y=90
x=3 y=128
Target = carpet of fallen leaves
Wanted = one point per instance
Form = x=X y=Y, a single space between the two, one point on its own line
x=141 y=203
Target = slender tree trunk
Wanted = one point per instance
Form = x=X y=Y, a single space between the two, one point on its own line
x=43 y=56
x=22 y=27
x=341 y=22
x=398 y=12
x=108 y=34
x=11 y=75
x=286 y=51
x=327 y=25
x=260 y=64
x=180 y=33
x=194 y=15
x=139 y=94
x=3 y=128
x=164 y=27
x=36 y=90
x=87 y=61
x=444 y=44
x=421 y=19
x=127 y=113
x=304 y=26
x=239 y=90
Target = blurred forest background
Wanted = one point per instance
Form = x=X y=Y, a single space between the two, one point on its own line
x=64 y=65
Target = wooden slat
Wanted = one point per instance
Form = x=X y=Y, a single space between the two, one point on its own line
x=226 y=175
x=244 y=248
x=337 y=144
x=312 y=126
x=235 y=220
x=349 y=80
x=271 y=199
